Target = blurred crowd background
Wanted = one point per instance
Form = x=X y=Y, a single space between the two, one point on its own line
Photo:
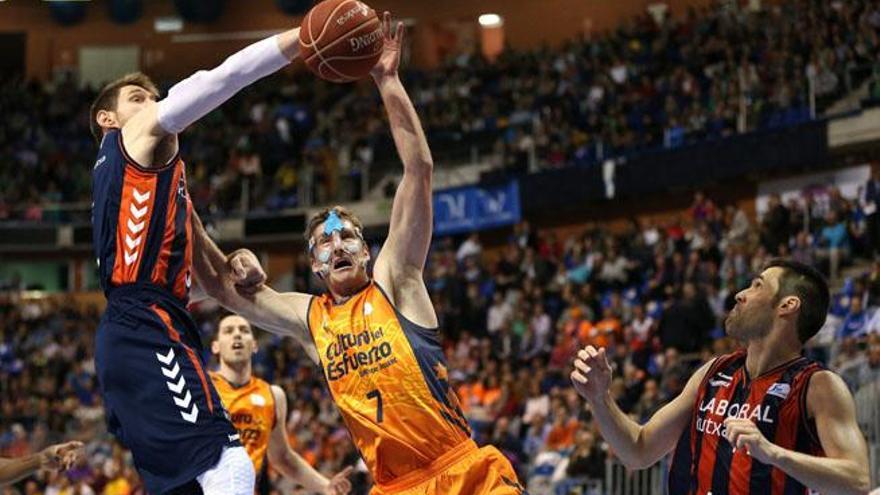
x=293 y=140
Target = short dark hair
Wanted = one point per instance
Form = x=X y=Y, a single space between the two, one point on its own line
x=807 y=284
x=109 y=94
x=344 y=214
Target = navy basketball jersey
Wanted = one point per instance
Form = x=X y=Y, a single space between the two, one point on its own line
x=141 y=221
x=705 y=462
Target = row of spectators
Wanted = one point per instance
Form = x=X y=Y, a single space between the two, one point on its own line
x=512 y=318
x=294 y=140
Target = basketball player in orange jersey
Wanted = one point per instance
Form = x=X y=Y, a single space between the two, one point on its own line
x=761 y=421
x=377 y=338
x=259 y=410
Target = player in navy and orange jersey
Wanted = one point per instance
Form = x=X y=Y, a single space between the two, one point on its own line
x=377 y=338
x=159 y=401
x=761 y=421
x=259 y=410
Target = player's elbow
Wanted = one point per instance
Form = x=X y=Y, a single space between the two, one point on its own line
x=419 y=166
x=285 y=462
x=636 y=462
x=862 y=483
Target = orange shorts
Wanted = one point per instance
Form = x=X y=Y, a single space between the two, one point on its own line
x=465 y=470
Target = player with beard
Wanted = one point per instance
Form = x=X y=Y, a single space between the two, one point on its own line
x=763 y=420
x=377 y=338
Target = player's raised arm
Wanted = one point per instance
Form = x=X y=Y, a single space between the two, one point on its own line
x=409 y=234
x=637 y=446
x=236 y=282
x=196 y=96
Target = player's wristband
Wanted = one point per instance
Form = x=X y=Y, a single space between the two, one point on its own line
x=202 y=92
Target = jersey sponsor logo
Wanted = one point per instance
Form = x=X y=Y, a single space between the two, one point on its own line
x=249 y=427
x=725 y=409
x=365 y=351
x=720 y=380
x=719 y=383
x=242 y=418
x=722 y=407
x=780 y=390
x=181 y=187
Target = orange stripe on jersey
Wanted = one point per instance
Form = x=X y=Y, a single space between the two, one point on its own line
x=175 y=336
x=182 y=282
x=163 y=315
x=133 y=224
x=160 y=270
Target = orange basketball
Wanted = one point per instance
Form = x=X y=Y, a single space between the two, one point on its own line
x=341 y=40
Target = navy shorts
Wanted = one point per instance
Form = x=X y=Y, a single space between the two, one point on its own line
x=159 y=400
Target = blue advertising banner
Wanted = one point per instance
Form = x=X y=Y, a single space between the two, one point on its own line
x=471 y=208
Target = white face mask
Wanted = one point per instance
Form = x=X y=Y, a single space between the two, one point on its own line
x=324 y=247
x=336 y=234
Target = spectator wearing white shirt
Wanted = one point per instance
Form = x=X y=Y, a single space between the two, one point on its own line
x=499 y=314
x=537 y=405
x=470 y=247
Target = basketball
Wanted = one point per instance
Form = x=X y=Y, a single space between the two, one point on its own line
x=341 y=40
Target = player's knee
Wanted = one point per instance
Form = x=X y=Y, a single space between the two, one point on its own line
x=243 y=465
x=232 y=475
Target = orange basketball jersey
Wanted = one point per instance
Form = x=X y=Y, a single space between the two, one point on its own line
x=389 y=379
x=252 y=408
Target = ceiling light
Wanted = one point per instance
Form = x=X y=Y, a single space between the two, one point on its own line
x=490 y=20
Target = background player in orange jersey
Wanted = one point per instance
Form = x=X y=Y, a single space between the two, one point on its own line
x=377 y=338
x=259 y=410
x=763 y=420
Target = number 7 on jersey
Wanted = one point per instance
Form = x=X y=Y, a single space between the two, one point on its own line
x=375 y=394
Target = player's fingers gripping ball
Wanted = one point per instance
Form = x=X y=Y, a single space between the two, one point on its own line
x=341 y=40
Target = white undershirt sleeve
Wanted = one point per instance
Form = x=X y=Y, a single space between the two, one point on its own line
x=202 y=92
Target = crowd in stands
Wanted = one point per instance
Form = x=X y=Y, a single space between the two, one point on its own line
x=512 y=317
x=293 y=140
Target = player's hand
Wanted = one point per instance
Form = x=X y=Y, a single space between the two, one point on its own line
x=744 y=434
x=389 y=61
x=61 y=456
x=245 y=270
x=592 y=373
x=339 y=484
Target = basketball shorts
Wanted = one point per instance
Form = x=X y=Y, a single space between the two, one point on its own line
x=465 y=470
x=159 y=401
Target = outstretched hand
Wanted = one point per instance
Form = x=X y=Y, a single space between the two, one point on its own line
x=62 y=456
x=389 y=61
x=339 y=484
x=592 y=373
